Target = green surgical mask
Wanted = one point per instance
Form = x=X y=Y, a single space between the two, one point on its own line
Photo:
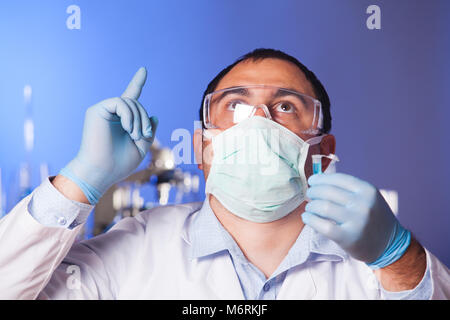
x=258 y=169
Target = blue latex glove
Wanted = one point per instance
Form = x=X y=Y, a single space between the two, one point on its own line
x=353 y=213
x=117 y=134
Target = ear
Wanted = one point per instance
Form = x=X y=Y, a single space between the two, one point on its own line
x=197 y=141
x=327 y=146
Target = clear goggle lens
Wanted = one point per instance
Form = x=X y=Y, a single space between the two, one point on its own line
x=224 y=108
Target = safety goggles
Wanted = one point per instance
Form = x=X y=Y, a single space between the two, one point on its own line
x=224 y=108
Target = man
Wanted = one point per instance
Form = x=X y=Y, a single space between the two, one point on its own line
x=258 y=235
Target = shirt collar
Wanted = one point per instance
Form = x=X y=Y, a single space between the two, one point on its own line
x=209 y=237
x=206 y=233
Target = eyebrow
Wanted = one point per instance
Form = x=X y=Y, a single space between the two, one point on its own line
x=281 y=92
x=284 y=93
x=241 y=91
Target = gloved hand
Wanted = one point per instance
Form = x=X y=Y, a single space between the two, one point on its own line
x=352 y=213
x=117 y=134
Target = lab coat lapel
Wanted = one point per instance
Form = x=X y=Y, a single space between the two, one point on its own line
x=223 y=280
x=298 y=284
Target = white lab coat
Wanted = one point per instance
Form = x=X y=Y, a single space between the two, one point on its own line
x=146 y=257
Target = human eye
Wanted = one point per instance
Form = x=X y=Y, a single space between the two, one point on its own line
x=231 y=105
x=284 y=107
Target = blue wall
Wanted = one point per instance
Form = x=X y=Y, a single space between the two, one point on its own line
x=388 y=87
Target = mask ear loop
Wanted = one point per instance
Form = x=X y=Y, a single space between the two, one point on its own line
x=317 y=161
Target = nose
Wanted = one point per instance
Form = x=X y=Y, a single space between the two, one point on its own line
x=262 y=111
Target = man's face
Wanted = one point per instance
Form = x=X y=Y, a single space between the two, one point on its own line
x=273 y=72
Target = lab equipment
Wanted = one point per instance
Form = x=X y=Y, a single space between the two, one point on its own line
x=258 y=169
x=25 y=170
x=317 y=161
x=25 y=187
x=26 y=179
x=159 y=183
x=28 y=127
x=224 y=108
x=355 y=215
x=117 y=134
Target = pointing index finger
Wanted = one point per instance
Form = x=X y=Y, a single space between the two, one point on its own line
x=133 y=91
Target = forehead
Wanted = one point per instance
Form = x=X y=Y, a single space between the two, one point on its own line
x=270 y=71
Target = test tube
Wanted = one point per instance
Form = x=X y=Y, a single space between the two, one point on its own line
x=317 y=163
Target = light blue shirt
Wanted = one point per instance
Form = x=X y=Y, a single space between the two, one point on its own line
x=51 y=208
x=209 y=239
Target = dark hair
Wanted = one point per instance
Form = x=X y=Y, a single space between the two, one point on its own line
x=259 y=54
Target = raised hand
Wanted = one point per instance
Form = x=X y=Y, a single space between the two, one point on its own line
x=117 y=134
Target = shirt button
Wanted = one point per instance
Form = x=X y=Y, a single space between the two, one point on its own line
x=62 y=221
x=266 y=287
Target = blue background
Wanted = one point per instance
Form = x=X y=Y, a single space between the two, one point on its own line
x=388 y=87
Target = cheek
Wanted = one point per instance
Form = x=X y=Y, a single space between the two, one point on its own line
x=207 y=157
x=207 y=153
